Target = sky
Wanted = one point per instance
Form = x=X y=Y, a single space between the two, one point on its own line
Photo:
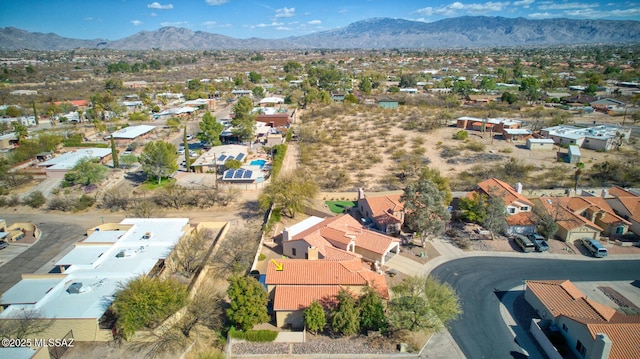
x=271 y=19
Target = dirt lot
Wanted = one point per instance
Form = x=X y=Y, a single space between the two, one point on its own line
x=372 y=149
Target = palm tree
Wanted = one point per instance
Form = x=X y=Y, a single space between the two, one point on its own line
x=576 y=175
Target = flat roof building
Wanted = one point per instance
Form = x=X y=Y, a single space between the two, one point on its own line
x=59 y=165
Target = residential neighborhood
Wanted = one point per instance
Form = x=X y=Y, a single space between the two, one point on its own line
x=312 y=203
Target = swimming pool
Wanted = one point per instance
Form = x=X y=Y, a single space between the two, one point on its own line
x=259 y=163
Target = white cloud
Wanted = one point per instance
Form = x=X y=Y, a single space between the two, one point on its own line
x=209 y=24
x=283 y=28
x=216 y=2
x=87 y=19
x=343 y=11
x=314 y=22
x=475 y=8
x=174 y=23
x=136 y=22
x=157 y=5
x=523 y=3
x=286 y=12
x=273 y=24
x=153 y=14
x=567 y=6
x=541 y=15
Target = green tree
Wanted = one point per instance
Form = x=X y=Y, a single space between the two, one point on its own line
x=159 y=159
x=350 y=98
x=461 y=135
x=293 y=67
x=20 y=131
x=258 y=92
x=487 y=84
x=344 y=318
x=591 y=90
x=86 y=172
x=314 y=317
x=255 y=77
x=232 y=164
x=365 y=85
x=12 y=111
x=441 y=182
x=138 y=117
x=210 y=130
x=248 y=302
x=462 y=88
x=114 y=153
x=509 y=98
x=425 y=211
x=393 y=89
x=145 y=302
x=474 y=208
x=372 y=311
x=423 y=303
x=407 y=80
x=290 y=194
x=244 y=122
x=495 y=215
x=530 y=89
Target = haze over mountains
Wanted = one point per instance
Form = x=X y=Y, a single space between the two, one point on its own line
x=376 y=33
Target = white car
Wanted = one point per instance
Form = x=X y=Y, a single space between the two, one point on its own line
x=181 y=151
x=189 y=137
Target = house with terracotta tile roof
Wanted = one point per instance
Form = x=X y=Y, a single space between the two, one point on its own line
x=626 y=204
x=591 y=329
x=338 y=238
x=293 y=284
x=385 y=212
x=571 y=225
x=520 y=218
x=598 y=211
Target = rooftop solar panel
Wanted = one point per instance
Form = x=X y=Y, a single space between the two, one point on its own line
x=247 y=174
x=240 y=157
x=222 y=158
x=229 y=174
x=238 y=174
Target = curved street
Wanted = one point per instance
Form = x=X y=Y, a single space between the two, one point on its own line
x=481 y=331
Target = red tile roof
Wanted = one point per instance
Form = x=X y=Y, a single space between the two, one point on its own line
x=625 y=338
x=521 y=219
x=325 y=273
x=563 y=298
x=557 y=208
x=495 y=187
x=620 y=192
x=296 y=297
x=383 y=207
x=594 y=204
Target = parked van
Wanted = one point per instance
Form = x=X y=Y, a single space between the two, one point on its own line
x=524 y=243
x=595 y=247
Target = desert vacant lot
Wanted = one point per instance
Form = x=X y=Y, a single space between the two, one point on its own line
x=345 y=147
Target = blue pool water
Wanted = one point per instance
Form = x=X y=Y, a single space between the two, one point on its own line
x=260 y=163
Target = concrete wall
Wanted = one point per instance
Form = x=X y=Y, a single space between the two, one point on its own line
x=301 y=248
x=574 y=332
x=545 y=343
x=580 y=232
x=293 y=318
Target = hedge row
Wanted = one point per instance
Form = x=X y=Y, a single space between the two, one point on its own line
x=254 y=335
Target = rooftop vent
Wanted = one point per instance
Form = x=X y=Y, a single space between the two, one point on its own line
x=147 y=236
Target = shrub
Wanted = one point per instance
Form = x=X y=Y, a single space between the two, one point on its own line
x=84 y=202
x=254 y=335
x=61 y=203
x=262 y=257
x=13 y=200
x=34 y=200
x=449 y=152
x=475 y=146
x=461 y=135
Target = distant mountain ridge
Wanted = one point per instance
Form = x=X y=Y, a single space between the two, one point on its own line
x=376 y=33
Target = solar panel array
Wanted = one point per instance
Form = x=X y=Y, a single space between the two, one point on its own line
x=240 y=173
x=240 y=157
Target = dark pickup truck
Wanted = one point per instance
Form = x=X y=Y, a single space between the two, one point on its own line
x=539 y=242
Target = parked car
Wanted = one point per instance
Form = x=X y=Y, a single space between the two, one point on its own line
x=3 y=244
x=539 y=242
x=524 y=243
x=595 y=247
x=189 y=137
x=181 y=151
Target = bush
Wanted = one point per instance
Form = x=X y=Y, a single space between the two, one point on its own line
x=84 y=202
x=34 y=200
x=254 y=335
x=475 y=146
x=461 y=135
x=449 y=152
x=13 y=200
x=61 y=203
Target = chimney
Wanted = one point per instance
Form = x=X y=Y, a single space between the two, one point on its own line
x=312 y=253
x=519 y=187
x=360 y=193
x=605 y=193
x=285 y=234
x=601 y=347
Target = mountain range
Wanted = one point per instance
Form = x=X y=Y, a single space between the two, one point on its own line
x=376 y=33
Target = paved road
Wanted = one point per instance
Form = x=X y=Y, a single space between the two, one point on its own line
x=56 y=236
x=481 y=331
